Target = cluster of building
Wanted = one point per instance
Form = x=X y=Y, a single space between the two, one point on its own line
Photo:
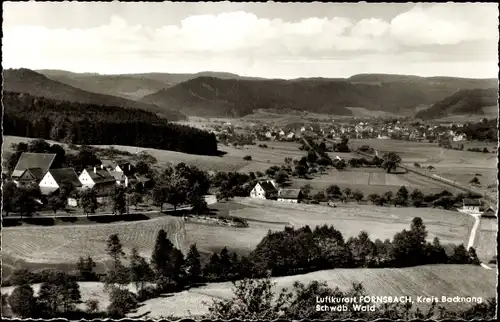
x=268 y=189
x=36 y=169
x=373 y=129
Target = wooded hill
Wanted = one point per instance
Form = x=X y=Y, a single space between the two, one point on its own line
x=471 y=101
x=91 y=124
x=27 y=81
x=209 y=96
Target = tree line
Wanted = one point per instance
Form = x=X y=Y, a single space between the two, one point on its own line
x=256 y=300
x=79 y=123
x=288 y=252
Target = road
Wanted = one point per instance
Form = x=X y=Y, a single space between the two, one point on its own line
x=472 y=237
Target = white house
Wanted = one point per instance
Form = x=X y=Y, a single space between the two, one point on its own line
x=290 y=195
x=290 y=135
x=264 y=190
x=282 y=133
x=56 y=178
x=302 y=129
x=96 y=177
x=471 y=206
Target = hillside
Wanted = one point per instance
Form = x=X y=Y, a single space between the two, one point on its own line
x=470 y=101
x=130 y=86
x=90 y=124
x=33 y=83
x=209 y=96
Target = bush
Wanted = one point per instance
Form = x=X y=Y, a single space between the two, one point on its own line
x=122 y=302
x=147 y=293
x=247 y=158
x=416 y=165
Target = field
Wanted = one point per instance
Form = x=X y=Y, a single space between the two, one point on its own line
x=34 y=246
x=262 y=158
x=459 y=166
x=486 y=240
x=430 y=280
x=371 y=180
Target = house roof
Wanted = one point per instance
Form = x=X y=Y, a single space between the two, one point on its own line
x=267 y=186
x=100 y=176
x=47 y=190
x=289 y=193
x=489 y=212
x=65 y=175
x=36 y=173
x=30 y=160
x=118 y=175
x=472 y=202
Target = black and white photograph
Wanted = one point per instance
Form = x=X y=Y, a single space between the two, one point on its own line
x=256 y=161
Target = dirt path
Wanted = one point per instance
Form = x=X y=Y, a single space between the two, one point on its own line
x=473 y=233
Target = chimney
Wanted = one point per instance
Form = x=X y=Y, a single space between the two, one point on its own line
x=95 y=170
x=129 y=167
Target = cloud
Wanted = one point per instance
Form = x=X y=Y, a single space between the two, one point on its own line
x=445 y=24
x=241 y=36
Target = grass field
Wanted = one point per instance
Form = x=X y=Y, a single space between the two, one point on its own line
x=262 y=158
x=486 y=240
x=430 y=280
x=32 y=247
x=371 y=180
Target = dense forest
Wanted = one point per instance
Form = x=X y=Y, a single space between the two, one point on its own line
x=462 y=102
x=78 y=123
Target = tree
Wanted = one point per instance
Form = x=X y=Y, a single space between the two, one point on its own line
x=340 y=165
x=253 y=300
x=374 y=198
x=363 y=250
x=312 y=157
x=475 y=181
x=281 y=177
x=333 y=191
x=306 y=190
x=22 y=301
x=121 y=302
x=193 y=265
x=159 y=195
x=473 y=259
x=161 y=254
x=347 y=193
x=212 y=270
x=391 y=161
x=56 y=202
x=417 y=198
x=387 y=197
x=88 y=201
x=460 y=255
x=59 y=291
x=247 y=158
x=402 y=196
x=199 y=205
x=92 y=305
x=140 y=271
x=225 y=263
x=319 y=196
x=301 y=170
x=27 y=200
x=114 y=249
x=135 y=199
x=118 y=198
x=358 y=195
x=10 y=194
x=85 y=268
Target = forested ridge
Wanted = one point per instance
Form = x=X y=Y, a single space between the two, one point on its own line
x=79 y=123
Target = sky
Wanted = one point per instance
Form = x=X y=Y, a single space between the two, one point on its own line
x=271 y=40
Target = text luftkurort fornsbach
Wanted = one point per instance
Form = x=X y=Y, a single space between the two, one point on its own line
x=370 y=303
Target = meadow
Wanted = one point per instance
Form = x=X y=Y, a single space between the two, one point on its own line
x=31 y=246
x=429 y=280
x=486 y=240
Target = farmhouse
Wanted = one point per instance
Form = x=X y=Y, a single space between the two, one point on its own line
x=471 y=205
x=125 y=167
x=489 y=213
x=37 y=163
x=264 y=190
x=290 y=195
x=99 y=179
x=120 y=177
x=56 y=178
